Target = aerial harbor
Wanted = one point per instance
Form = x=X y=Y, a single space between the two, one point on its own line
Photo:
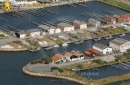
x=65 y=42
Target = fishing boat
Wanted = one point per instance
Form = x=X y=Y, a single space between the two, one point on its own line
x=122 y=35
x=64 y=44
x=78 y=42
x=56 y=46
x=36 y=49
x=48 y=48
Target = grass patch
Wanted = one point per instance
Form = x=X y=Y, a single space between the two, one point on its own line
x=58 y=42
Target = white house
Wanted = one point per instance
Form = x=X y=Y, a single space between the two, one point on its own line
x=103 y=48
x=74 y=56
x=20 y=34
x=120 y=44
x=80 y=24
x=34 y=32
x=65 y=27
x=58 y=58
x=94 y=22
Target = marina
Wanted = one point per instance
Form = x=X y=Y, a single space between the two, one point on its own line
x=11 y=71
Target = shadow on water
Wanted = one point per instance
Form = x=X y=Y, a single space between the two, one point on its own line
x=11 y=63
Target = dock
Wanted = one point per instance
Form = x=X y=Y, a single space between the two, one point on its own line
x=108 y=12
x=4 y=29
x=12 y=15
x=71 y=5
x=51 y=24
x=13 y=28
x=81 y=5
x=46 y=10
x=35 y=23
x=3 y=19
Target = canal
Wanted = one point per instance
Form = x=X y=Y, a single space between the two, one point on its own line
x=11 y=63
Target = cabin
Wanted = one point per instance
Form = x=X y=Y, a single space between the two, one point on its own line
x=103 y=48
x=79 y=24
x=64 y=37
x=78 y=55
x=47 y=29
x=20 y=34
x=94 y=51
x=109 y=19
x=126 y=17
x=94 y=22
x=33 y=32
x=58 y=58
x=69 y=56
x=65 y=27
x=118 y=18
x=120 y=44
x=74 y=35
x=89 y=54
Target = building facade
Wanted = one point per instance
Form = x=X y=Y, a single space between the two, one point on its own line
x=79 y=24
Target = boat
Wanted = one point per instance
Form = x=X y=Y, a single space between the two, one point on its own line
x=122 y=35
x=48 y=48
x=78 y=42
x=108 y=37
x=56 y=46
x=36 y=49
x=64 y=44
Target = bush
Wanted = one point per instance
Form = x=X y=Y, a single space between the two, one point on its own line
x=56 y=68
x=80 y=66
x=47 y=59
x=2 y=35
x=58 y=42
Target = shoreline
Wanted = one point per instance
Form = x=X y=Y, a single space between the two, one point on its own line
x=13 y=50
x=52 y=76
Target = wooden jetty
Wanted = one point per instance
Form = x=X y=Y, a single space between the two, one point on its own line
x=3 y=19
x=35 y=23
x=34 y=13
x=51 y=24
x=81 y=5
x=13 y=28
x=4 y=29
x=108 y=12
x=12 y=15
x=46 y=10
x=71 y=5
x=17 y=14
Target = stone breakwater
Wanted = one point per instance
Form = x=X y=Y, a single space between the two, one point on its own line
x=53 y=76
x=10 y=49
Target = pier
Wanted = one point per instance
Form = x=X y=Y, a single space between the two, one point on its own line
x=4 y=29
x=81 y=5
x=35 y=23
x=3 y=19
x=46 y=10
x=71 y=5
x=13 y=28
x=51 y=23
x=108 y=12
x=16 y=13
x=12 y=15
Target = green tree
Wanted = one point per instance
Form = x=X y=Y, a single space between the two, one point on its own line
x=47 y=59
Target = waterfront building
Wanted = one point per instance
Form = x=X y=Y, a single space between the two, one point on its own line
x=120 y=44
x=20 y=34
x=74 y=35
x=47 y=29
x=64 y=37
x=94 y=22
x=65 y=27
x=94 y=51
x=109 y=19
x=118 y=18
x=58 y=58
x=33 y=32
x=89 y=54
x=103 y=48
x=79 y=24
x=126 y=17
x=74 y=56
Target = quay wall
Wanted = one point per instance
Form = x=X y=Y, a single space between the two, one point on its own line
x=10 y=49
x=53 y=76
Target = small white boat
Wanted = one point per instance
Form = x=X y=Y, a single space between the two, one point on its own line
x=64 y=44
x=56 y=46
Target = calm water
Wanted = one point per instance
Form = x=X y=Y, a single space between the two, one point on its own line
x=11 y=63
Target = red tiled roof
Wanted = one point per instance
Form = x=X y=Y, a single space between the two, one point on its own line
x=93 y=51
x=68 y=54
x=57 y=57
x=88 y=53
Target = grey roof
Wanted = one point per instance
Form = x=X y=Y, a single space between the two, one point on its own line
x=34 y=30
x=45 y=27
x=63 y=24
x=101 y=46
x=79 y=22
x=21 y=32
x=116 y=16
x=119 y=41
x=93 y=20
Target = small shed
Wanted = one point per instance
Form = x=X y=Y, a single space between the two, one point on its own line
x=65 y=27
x=34 y=32
x=109 y=19
x=118 y=18
x=94 y=51
x=126 y=17
x=94 y=22
x=20 y=34
x=80 y=24
x=58 y=58
x=89 y=54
